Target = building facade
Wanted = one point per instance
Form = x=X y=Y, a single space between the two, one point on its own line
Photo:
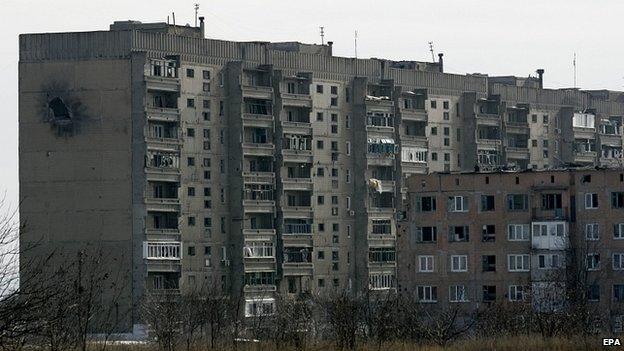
x=473 y=238
x=262 y=167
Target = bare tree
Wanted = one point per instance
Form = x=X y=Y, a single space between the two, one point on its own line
x=343 y=312
x=442 y=325
x=161 y=313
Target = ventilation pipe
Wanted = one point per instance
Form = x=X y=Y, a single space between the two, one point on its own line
x=540 y=77
x=441 y=62
x=201 y=26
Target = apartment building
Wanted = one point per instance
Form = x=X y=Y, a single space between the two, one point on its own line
x=473 y=238
x=257 y=167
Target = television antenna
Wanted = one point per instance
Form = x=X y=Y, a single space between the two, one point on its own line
x=322 y=35
x=196 y=6
x=431 y=49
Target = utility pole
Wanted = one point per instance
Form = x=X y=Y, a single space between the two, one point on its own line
x=322 y=35
x=196 y=9
x=431 y=49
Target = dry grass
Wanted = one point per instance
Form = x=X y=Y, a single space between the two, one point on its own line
x=521 y=343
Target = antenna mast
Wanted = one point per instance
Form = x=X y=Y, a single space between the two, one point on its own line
x=322 y=35
x=574 y=64
x=431 y=49
x=196 y=9
x=355 y=38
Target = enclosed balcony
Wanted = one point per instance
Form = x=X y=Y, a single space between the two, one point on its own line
x=297 y=148
x=259 y=198
x=488 y=137
x=162 y=75
x=296 y=120
x=487 y=159
x=412 y=106
x=297 y=261
x=379 y=121
x=550 y=235
x=379 y=95
x=162 y=165
x=162 y=106
x=162 y=196
x=517 y=146
x=256 y=83
x=585 y=150
x=297 y=176
x=382 y=256
x=295 y=91
x=517 y=116
x=258 y=113
x=413 y=133
x=297 y=204
x=381 y=203
x=381 y=151
x=162 y=256
x=259 y=224
x=163 y=282
x=259 y=282
x=297 y=232
x=258 y=142
x=488 y=111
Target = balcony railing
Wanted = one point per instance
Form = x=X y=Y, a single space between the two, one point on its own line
x=297 y=229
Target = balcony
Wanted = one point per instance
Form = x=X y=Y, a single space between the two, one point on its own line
x=489 y=144
x=304 y=128
x=414 y=141
x=584 y=132
x=538 y=213
x=298 y=156
x=303 y=212
x=170 y=84
x=258 y=92
x=259 y=232
x=614 y=140
x=162 y=204
x=378 y=101
x=380 y=159
x=260 y=289
x=416 y=115
x=258 y=149
x=488 y=119
x=259 y=177
x=301 y=184
x=585 y=156
x=518 y=153
x=257 y=120
x=259 y=206
x=297 y=261
x=296 y=100
x=164 y=114
x=550 y=235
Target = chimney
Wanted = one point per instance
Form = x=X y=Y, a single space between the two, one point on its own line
x=441 y=62
x=330 y=44
x=540 y=77
x=201 y=26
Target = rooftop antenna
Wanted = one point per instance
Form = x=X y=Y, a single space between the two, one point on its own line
x=322 y=35
x=431 y=49
x=355 y=38
x=574 y=64
x=196 y=9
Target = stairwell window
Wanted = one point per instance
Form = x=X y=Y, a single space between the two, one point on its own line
x=458 y=204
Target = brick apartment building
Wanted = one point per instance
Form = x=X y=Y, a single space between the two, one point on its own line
x=472 y=238
x=264 y=167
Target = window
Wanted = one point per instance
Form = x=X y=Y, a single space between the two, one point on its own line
x=347 y=122
x=534 y=118
x=458 y=233
x=321 y=227
x=334 y=129
x=221 y=108
x=190 y=161
x=425 y=204
x=618 y=292
x=518 y=232
x=206 y=87
x=618 y=261
x=425 y=264
x=458 y=204
x=348 y=148
x=517 y=292
x=190 y=103
x=489 y=263
x=191 y=250
x=259 y=249
x=517 y=202
x=489 y=233
x=207 y=222
x=591 y=201
x=617 y=199
x=487 y=203
x=593 y=262
x=457 y=293
x=459 y=263
x=426 y=234
x=427 y=293
x=206 y=74
x=191 y=221
x=434 y=156
x=518 y=263
x=434 y=104
x=551 y=202
x=319 y=144
x=618 y=231
x=593 y=292
x=259 y=307
x=434 y=130
x=320 y=200
x=489 y=293
x=320 y=172
x=348 y=176
x=319 y=88
x=190 y=191
x=446 y=116
x=190 y=72
x=190 y=132
x=592 y=231
x=334 y=101
x=549 y=261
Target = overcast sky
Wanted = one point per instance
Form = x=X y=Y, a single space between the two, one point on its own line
x=498 y=37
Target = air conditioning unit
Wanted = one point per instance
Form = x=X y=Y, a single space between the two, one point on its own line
x=351 y=213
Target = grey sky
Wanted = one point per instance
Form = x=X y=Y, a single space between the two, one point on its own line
x=498 y=37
